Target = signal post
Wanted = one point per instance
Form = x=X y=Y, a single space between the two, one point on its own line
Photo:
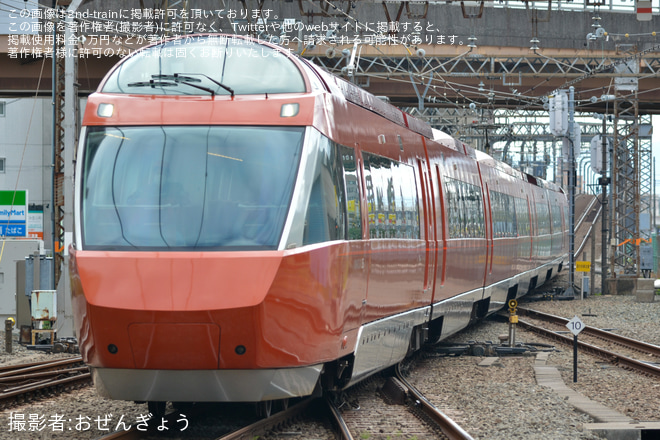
x=583 y=266
x=513 y=320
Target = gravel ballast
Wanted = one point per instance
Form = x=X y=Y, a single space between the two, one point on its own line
x=503 y=401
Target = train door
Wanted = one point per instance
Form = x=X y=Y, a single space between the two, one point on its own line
x=464 y=245
x=441 y=231
x=358 y=252
x=530 y=254
x=396 y=229
x=488 y=225
x=429 y=218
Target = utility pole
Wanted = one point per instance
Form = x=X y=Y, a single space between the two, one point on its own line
x=571 y=189
x=603 y=182
x=65 y=136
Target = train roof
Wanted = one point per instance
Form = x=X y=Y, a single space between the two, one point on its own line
x=280 y=79
x=364 y=99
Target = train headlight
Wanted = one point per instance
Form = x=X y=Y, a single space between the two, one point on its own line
x=289 y=110
x=105 y=110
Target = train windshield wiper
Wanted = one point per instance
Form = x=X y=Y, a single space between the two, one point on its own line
x=178 y=78
x=174 y=77
x=152 y=84
x=170 y=81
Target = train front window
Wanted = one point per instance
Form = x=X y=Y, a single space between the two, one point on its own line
x=206 y=65
x=156 y=188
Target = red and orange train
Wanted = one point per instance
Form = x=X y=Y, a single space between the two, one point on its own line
x=250 y=228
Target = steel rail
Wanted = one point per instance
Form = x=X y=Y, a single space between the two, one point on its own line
x=39 y=376
x=30 y=364
x=45 y=384
x=10 y=379
x=339 y=421
x=13 y=370
x=614 y=358
x=260 y=427
x=634 y=344
x=449 y=428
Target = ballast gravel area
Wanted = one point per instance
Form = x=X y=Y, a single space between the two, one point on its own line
x=503 y=401
x=500 y=401
x=75 y=413
x=629 y=393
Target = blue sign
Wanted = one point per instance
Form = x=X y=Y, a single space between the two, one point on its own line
x=11 y=230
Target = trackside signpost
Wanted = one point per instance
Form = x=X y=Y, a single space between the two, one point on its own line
x=583 y=266
x=575 y=325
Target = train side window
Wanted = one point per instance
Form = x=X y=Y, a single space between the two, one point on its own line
x=325 y=219
x=475 y=217
x=522 y=216
x=392 y=202
x=352 y=193
x=464 y=209
x=453 y=209
x=556 y=219
x=409 y=206
x=543 y=218
x=505 y=223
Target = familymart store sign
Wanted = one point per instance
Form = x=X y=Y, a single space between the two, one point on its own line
x=13 y=213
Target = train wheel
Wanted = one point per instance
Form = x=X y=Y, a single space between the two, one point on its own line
x=157 y=409
x=264 y=408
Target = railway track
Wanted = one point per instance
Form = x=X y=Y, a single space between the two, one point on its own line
x=20 y=383
x=297 y=418
x=257 y=429
x=450 y=429
x=282 y=418
x=650 y=367
x=345 y=429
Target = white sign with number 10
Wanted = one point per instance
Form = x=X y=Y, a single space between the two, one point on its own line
x=575 y=325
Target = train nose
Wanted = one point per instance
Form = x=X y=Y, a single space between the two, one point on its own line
x=158 y=309
x=179 y=346
x=176 y=281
